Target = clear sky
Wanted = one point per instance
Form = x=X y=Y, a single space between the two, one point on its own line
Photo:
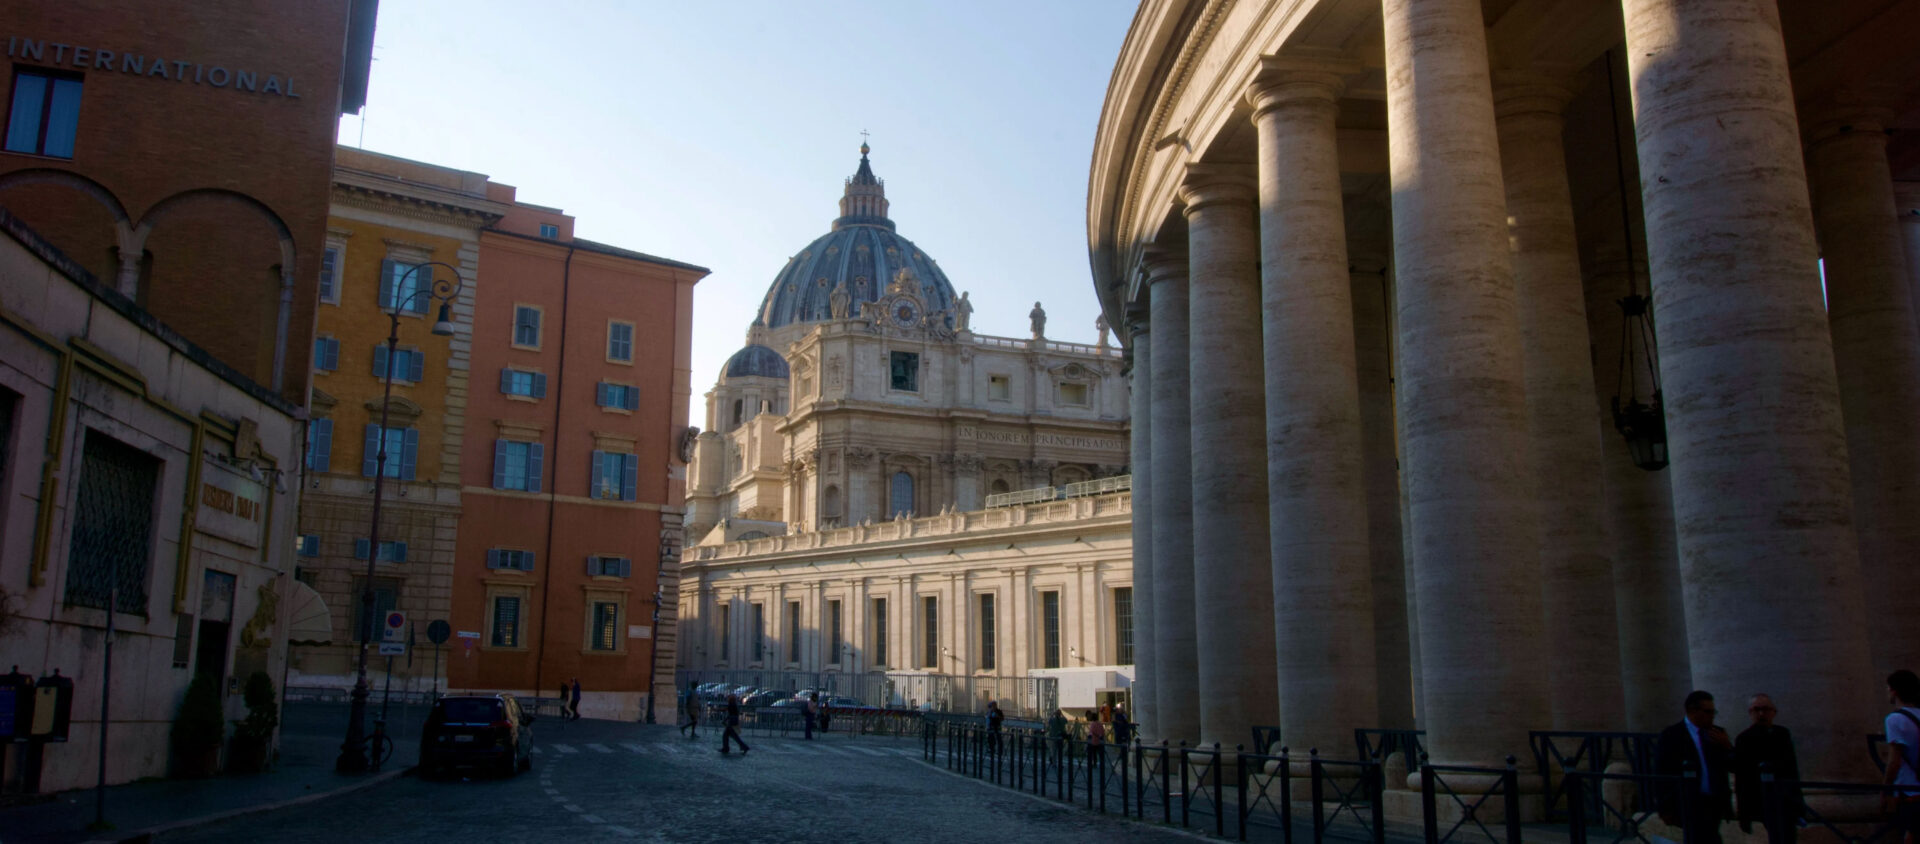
x=720 y=133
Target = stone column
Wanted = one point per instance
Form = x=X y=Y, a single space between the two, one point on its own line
x=1762 y=495
x=1176 y=700
x=1316 y=484
x=1232 y=586
x=1576 y=566
x=1906 y=197
x=1145 y=664
x=1380 y=462
x=1877 y=355
x=1467 y=460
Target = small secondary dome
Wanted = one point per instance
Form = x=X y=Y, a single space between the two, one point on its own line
x=756 y=361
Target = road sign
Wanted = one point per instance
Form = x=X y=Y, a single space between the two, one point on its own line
x=394 y=628
x=393 y=648
x=469 y=634
x=439 y=630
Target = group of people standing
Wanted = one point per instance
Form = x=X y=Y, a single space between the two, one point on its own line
x=570 y=699
x=1697 y=746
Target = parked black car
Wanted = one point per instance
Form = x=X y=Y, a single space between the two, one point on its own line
x=488 y=732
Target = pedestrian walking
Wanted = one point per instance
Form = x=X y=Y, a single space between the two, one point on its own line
x=1903 y=752
x=576 y=698
x=807 y=709
x=1767 y=747
x=1122 y=728
x=1057 y=732
x=693 y=714
x=732 y=733
x=1695 y=744
x=566 y=713
x=1096 y=738
x=826 y=712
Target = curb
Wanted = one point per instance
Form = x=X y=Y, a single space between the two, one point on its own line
x=146 y=835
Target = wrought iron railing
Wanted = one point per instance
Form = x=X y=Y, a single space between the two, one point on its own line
x=1080 y=489
x=1471 y=803
x=1591 y=752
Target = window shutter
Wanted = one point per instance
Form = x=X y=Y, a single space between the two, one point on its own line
x=360 y=549
x=380 y=360
x=422 y=280
x=387 y=278
x=407 y=449
x=333 y=353
x=630 y=481
x=539 y=385
x=369 y=458
x=493 y=558
x=322 y=445
x=535 y=451
x=399 y=552
x=600 y=394
x=597 y=476
x=593 y=565
x=416 y=365
x=506 y=379
x=527 y=561
x=626 y=567
x=499 y=466
x=633 y=398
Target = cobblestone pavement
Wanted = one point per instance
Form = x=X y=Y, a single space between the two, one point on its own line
x=594 y=781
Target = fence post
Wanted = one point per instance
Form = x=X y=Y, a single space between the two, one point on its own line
x=1185 y=804
x=1376 y=779
x=1429 y=817
x=1219 y=811
x=1066 y=762
x=1126 y=797
x=1576 y=807
x=1240 y=790
x=1313 y=774
x=1099 y=764
x=1510 y=782
x=1166 y=786
x=1286 y=795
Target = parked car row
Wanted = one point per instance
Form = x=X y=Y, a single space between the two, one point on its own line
x=758 y=696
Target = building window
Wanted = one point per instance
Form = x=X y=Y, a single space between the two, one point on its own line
x=1000 y=487
x=401 y=285
x=599 y=566
x=516 y=465
x=833 y=633
x=1050 y=630
x=409 y=363
x=618 y=396
x=526 y=327
x=505 y=621
x=391 y=551
x=45 y=117
x=386 y=596
x=326 y=353
x=879 y=632
x=110 y=550
x=615 y=476
x=930 y=631
x=309 y=545
x=330 y=275
x=1123 y=625
x=900 y=494
x=1073 y=395
x=739 y=413
x=511 y=559
x=999 y=388
x=759 y=632
x=793 y=631
x=905 y=370
x=401 y=447
x=986 y=633
x=549 y=230
x=620 y=342
x=726 y=630
x=519 y=382
x=320 y=445
x=606 y=626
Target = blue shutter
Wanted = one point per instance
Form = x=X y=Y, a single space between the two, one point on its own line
x=633 y=398
x=322 y=454
x=593 y=482
x=416 y=365
x=600 y=394
x=506 y=380
x=360 y=549
x=380 y=360
x=369 y=458
x=500 y=478
x=539 y=385
x=526 y=561
x=534 y=452
x=333 y=353
x=626 y=567
x=493 y=558
x=407 y=450
x=629 y=482
x=399 y=552
x=387 y=278
x=422 y=280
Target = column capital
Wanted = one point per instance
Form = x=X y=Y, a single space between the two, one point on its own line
x=1218 y=184
x=1164 y=264
x=1303 y=76
x=1524 y=92
x=1138 y=324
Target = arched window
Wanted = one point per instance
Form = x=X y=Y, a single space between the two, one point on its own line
x=830 y=503
x=900 y=494
x=1000 y=486
x=739 y=408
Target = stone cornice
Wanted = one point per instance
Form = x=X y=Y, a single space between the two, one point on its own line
x=429 y=202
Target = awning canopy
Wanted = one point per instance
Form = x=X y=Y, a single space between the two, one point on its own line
x=310 y=622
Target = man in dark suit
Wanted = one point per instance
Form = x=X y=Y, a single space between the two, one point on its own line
x=1696 y=745
x=1767 y=746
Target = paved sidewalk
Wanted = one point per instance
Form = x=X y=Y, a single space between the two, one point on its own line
x=309 y=742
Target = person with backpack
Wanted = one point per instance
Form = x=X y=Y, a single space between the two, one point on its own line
x=1903 y=752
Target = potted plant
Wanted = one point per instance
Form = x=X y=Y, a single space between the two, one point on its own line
x=198 y=729
x=253 y=736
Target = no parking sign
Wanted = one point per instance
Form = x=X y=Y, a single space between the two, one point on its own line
x=393 y=629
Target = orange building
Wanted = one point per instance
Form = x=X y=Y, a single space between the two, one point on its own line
x=573 y=471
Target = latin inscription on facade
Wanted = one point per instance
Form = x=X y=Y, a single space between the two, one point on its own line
x=1022 y=438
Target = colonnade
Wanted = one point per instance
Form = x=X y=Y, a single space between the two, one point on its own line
x=1282 y=364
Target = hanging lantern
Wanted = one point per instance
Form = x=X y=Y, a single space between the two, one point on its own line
x=1642 y=423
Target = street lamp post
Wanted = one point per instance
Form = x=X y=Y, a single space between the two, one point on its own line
x=353 y=751
x=653 y=656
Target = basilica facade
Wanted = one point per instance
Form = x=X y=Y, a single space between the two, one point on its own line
x=870 y=493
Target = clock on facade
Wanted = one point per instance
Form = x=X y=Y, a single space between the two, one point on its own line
x=906 y=314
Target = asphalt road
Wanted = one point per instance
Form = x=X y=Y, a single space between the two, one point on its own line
x=595 y=781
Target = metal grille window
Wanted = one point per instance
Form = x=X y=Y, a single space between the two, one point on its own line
x=833 y=633
x=930 y=631
x=112 y=525
x=986 y=633
x=506 y=622
x=606 y=626
x=1050 y=627
x=759 y=632
x=1123 y=624
x=904 y=367
x=793 y=631
x=879 y=631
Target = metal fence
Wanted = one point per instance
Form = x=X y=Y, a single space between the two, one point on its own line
x=1030 y=697
x=1081 y=489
